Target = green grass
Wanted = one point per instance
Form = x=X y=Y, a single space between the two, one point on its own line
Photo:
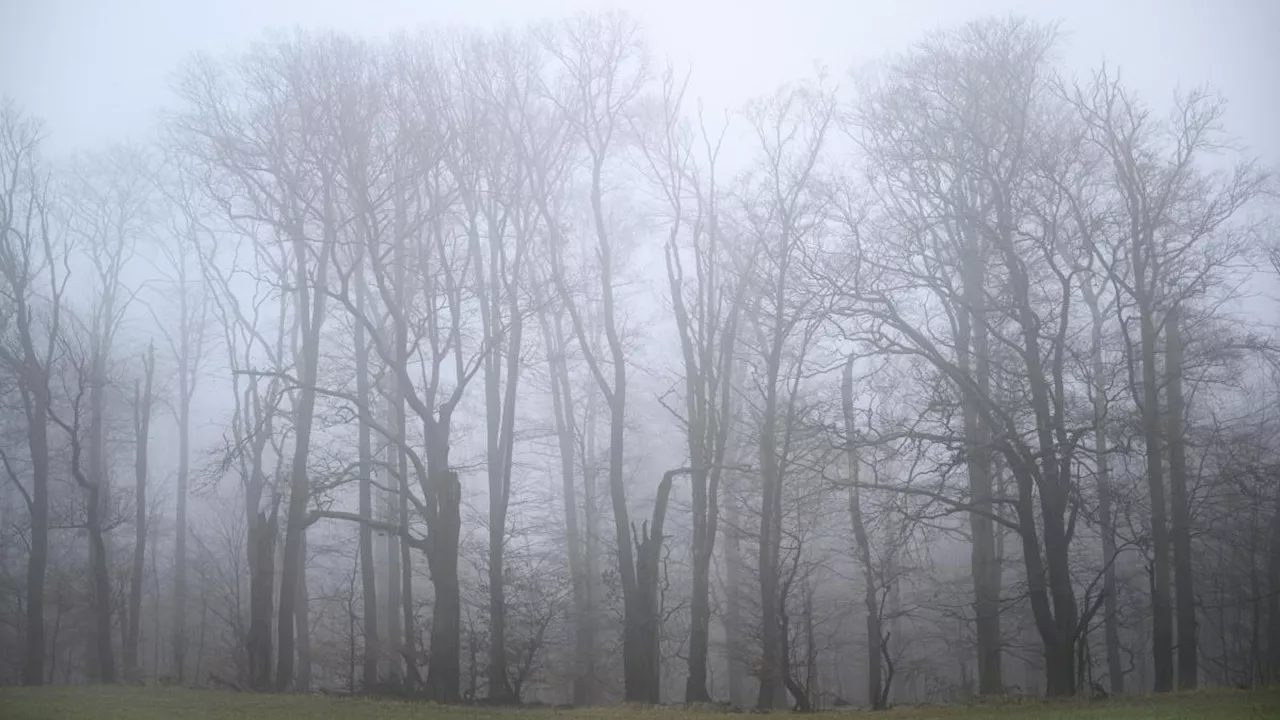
x=127 y=703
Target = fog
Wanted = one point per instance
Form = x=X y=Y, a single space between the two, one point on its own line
x=807 y=355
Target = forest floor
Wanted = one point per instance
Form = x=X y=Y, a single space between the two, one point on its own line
x=127 y=703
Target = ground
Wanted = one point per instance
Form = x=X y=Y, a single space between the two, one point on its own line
x=127 y=703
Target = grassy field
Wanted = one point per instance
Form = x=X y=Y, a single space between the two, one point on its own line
x=122 y=703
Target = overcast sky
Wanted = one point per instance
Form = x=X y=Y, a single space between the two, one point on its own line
x=98 y=70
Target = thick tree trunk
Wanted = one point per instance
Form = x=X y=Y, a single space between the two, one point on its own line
x=1184 y=576
x=444 y=675
x=263 y=530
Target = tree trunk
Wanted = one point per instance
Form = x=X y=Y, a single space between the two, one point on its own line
x=1273 y=599
x=444 y=676
x=1184 y=576
x=368 y=577
x=395 y=579
x=105 y=670
x=871 y=593
x=566 y=433
x=1106 y=522
x=734 y=563
x=302 y=621
x=36 y=400
x=310 y=306
x=1161 y=612
x=974 y=358
x=263 y=530
x=141 y=431
x=185 y=362
x=772 y=678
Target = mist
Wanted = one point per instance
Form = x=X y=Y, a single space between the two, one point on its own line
x=852 y=355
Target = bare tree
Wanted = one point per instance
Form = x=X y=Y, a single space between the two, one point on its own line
x=783 y=207
x=30 y=261
x=605 y=70
x=706 y=309
x=1174 y=242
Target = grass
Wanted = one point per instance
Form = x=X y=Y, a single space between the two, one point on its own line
x=129 y=703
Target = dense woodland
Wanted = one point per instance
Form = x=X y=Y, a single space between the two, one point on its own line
x=495 y=367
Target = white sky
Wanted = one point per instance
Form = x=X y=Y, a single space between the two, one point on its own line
x=98 y=71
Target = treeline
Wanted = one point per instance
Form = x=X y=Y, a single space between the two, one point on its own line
x=494 y=366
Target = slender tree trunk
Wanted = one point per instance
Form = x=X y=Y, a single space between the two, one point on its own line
x=185 y=362
x=772 y=673
x=142 y=428
x=105 y=670
x=1106 y=522
x=1161 y=611
x=1184 y=576
x=310 y=306
x=733 y=605
x=395 y=579
x=871 y=592
x=1273 y=599
x=973 y=356
x=37 y=398
x=368 y=579
x=302 y=620
x=408 y=637
x=566 y=433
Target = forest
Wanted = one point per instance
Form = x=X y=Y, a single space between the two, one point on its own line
x=492 y=366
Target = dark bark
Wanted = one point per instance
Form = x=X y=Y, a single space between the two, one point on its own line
x=645 y=618
x=444 y=675
x=262 y=548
